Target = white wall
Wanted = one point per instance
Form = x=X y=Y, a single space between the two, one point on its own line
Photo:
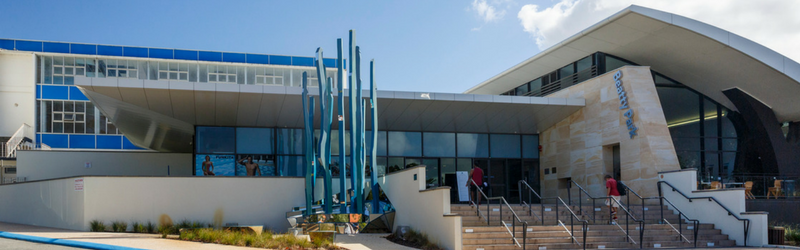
x=709 y=212
x=46 y=164
x=53 y=203
x=17 y=91
x=422 y=210
x=243 y=200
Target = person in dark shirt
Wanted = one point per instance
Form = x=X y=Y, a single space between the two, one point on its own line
x=611 y=191
x=476 y=175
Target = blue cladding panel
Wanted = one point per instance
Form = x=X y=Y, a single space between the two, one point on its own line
x=134 y=52
x=29 y=46
x=126 y=144
x=161 y=53
x=81 y=141
x=7 y=44
x=109 y=142
x=38 y=91
x=330 y=63
x=85 y=49
x=186 y=54
x=56 y=140
x=211 y=56
x=302 y=61
x=56 y=47
x=233 y=57
x=55 y=92
x=254 y=58
x=109 y=50
x=76 y=94
x=281 y=60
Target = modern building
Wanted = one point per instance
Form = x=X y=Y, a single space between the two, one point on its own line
x=638 y=95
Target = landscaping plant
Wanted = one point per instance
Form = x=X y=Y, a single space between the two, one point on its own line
x=97 y=226
x=119 y=226
x=264 y=240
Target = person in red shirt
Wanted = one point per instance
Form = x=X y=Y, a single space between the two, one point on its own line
x=476 y=175
x=611 y=191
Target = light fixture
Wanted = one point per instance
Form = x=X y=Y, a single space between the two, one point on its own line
x=693 y=120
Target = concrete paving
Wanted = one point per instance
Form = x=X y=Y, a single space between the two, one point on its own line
x=368 y=241
x=8 y=244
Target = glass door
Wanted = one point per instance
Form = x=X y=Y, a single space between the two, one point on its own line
x=497 y=178
x=514 y=174
x=530 y=174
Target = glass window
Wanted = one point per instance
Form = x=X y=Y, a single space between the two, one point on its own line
x=682 y=111
x=566 y=71
x=536 y=85
x=688 y=159
x=405 y=143
x=297 y=78
x=335 y=142
x=709 y=118
x=584 y=63
x=473 y=145
x=727 y=126
x=381 y=142
x=522 y=90
x=505 y=146
x=658 y=79
x=395 y=164
x=290 y=141
x=439 y=144
x=48 y=70
x=530 y=146
x=215 y=140
x=254 y=141
x=290 y=166
x=614 y=63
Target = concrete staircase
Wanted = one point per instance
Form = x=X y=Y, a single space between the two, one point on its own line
x=476 y=234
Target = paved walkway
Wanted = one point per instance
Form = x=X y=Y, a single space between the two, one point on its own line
x=154 y=241
x=7 y=244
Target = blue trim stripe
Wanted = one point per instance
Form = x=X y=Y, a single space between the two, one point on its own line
x=109 y=142
x=58 y=92
x=81 y=141
x=134 y=52
x=56 y=140
x=127 y=144
x=111 y=50
x=56 y=47
x=76 y=94
x=68 y=243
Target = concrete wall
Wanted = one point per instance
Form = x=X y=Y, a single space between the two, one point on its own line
x=427 y=211
x=17 y=91
x=580 y=145
x=46 y=164
x=53 y=203
x=710 y=212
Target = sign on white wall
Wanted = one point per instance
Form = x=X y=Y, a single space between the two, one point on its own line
x=463 y=193
x=79 y=184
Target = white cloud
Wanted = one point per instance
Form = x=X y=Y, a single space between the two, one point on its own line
x=486 y=11
x=772 y=23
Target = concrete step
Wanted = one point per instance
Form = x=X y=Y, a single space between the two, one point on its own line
x=707 y=234
x=649 y=227
x=596 y=245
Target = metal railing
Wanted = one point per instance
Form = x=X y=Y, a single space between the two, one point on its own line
x=24 y=131
x=559 y=201
x=745 y=222
x=514 y=221
x=9 y=180
x=564 y=82
x=611 y=201
x=661 y=199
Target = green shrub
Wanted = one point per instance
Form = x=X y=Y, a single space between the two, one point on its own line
x=149 y=227
x=415 y=239
x=792 y=233
x=119 y=226
x=97 y=226
x=264 y=240
x=139 y=227
x=167 y=229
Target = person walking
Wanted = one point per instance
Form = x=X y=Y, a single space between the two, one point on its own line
x=613 y=193
x=476 y=175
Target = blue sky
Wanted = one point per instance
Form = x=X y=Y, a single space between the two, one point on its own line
x=418 y=45
x=427 y=46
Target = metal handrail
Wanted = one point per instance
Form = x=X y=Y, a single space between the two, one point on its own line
x=628 y=214
x=584 y=223
x=745 y=222
x=24 y=131
x=661 y=207
x=513 y=230
x=530 y=198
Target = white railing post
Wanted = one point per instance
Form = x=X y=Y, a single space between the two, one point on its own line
x=11 y=145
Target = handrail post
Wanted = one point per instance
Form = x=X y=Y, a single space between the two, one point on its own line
x=594 y=212
x=641 y=234
x=661 y=202
x=557 y=220
x=696 y=231
x=502 y=220
x=680 y=223
x=541 y=203
x=569 y=193
x=524 y=235
x=488 y=212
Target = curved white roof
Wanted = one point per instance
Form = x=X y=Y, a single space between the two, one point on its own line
x=701 y=56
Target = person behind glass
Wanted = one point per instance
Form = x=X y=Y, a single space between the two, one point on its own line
x=611 y=191
x=208 y=166
x=476 y=175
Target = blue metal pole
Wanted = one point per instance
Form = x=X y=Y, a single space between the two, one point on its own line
x=373 y=108
x=342 y=147
x=352 y=114
x=325 y=106
x=360 y=136
x=307 y=147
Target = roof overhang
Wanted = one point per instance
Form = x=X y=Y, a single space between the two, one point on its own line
x=703 y=57
x=161 y=115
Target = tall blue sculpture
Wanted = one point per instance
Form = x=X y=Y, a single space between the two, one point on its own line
x=356 y=115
